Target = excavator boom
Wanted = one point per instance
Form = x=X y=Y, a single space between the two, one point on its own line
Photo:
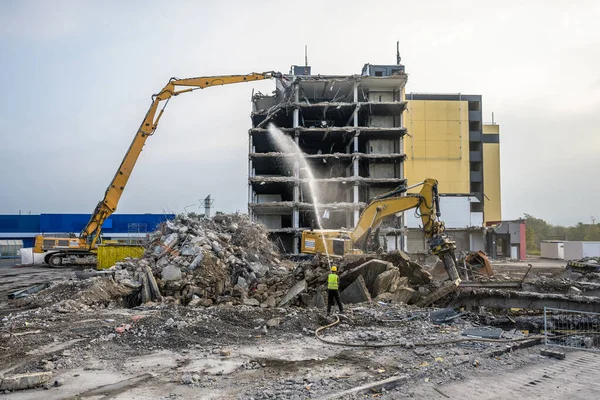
x=82 y=250
x=385 y=206
x=108 y=204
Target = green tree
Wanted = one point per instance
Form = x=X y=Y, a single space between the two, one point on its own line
x=593 y=233
x=538 y=230
x=530 y=235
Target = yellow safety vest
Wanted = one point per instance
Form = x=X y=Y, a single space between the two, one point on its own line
x=332 y=282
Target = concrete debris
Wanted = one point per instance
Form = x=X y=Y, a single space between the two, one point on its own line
x=224 y=259
x=356 y=292
x=497 y=298
x=269 y=302
x=388 y=281
x=298 y=288
x=559 y=355
x=231 y=326
x=251 y=302
x=416 y=274
x=26 y=292
x=484 y=332
x=369 y=271
x=404 y=295
x=573 y=290
x=445 y=289
x=171 y=273
x=25 y=381
x=444 y=315
x=320 y=300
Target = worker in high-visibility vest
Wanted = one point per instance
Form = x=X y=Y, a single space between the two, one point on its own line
x=333 y=283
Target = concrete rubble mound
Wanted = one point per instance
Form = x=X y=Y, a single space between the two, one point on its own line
x=206 y=261
x=390 y=277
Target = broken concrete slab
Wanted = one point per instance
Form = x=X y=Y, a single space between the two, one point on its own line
x=559 y=355
x=369 y=271
x=416 y=274
x=25 y=381
x=386 y=297
x=320 y=300
x=171 y=273
x=574 y=290
x=194 y=302
x=388 y=281
x=483 y=332
x=269 y=302
x=404 y=295
x=307 y=299
x=357 y=292
x=251 y=302
x=445 y=289
x=497 y=298
x=146 y=294
x=299 y=287
x=444 y=315
x=130 y=283
x=154 y=291
x=397 y=257
x=378 y=387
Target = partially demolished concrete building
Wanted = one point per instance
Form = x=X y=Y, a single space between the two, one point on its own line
x=351 y=129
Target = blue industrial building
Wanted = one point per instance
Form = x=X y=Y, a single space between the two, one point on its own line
x=117 y=226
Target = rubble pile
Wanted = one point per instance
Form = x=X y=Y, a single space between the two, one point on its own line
x=390 y=277
x=68 y=296
x=206 y=261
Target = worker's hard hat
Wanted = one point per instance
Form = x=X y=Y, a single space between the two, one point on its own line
x=333 y=268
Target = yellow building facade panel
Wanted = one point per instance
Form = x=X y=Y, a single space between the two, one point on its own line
x=492 y=206
x=437 y=144
x=491 y=129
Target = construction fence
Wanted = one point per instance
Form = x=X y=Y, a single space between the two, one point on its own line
x=573 y=329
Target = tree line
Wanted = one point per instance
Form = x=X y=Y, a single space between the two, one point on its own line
x=538 y=230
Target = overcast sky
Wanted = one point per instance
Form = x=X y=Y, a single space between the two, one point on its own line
x=77 y=77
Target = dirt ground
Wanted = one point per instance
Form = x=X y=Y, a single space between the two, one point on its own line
x=97 y=348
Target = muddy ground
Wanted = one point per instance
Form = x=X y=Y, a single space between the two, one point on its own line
x=102 y=349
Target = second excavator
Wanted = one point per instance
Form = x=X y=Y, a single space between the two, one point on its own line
x=337 y=243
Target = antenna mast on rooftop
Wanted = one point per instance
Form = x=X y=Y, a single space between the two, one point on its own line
x=305 y=55
x=398 y=58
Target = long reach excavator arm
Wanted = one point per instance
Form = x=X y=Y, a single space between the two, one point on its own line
x=175 y=87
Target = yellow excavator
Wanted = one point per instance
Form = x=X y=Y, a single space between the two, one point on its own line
x=82 y=250
x=337 y=243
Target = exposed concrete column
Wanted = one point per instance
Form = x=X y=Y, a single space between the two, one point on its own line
x=404 y=243
x=295 y=211
x=250 y=174
x=355 y=197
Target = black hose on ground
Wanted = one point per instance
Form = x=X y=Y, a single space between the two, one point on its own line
x=437 y=343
